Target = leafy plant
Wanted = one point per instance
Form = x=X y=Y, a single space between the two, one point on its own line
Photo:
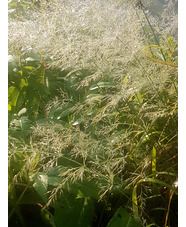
x=123 y=218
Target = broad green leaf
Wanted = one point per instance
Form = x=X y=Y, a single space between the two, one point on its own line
x=123 y=219
x=89 y=189
x=72 y=212
x=16 y=162
x=10 y=90
x=65 y=113
x=53 y=175
x=48 y=218
x=87 y=212
x=12 y=99
x=21 y=100
x=54 y=181
x=41 y=185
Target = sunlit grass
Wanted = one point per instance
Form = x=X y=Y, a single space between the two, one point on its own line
x=112 y=122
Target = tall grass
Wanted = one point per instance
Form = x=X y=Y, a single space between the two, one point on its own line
x=120 y=128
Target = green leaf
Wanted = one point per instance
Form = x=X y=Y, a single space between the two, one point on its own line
x=41 y=185
x=153 y=224
x=12 y=99
x=154 y=161
x=30 y=68
x=152 y=180
x=65 y=113
x=16 y=162
x=170 y=40
x=53 y=175
x=101 y=85
x=89 y=189
x=54 y=181
x=9 y=107
x=48 y=218
x=139 y=98
x=87 y=212
x=135 y=201
x=23 y=83
x=21 y=100
x=10 y=90
x=72 y=212
x=123 y=219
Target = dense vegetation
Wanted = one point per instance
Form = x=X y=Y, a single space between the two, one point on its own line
x=93 y=106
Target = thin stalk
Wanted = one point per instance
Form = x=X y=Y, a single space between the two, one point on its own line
x=152 y=29
x=16 y=207
x=134 y=193
x=168 y=210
